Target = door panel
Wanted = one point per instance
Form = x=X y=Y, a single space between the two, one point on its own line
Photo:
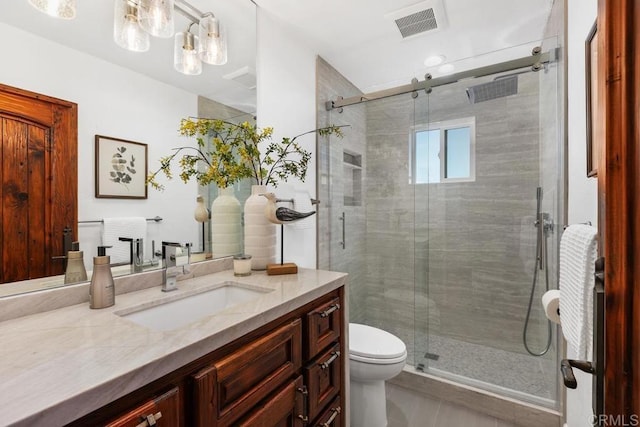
x=37 y=158
x=38 y=195
x=618 y=203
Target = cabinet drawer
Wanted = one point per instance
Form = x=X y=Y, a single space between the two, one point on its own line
x=161 y=411
x=282 y=410
x=332 y=416
x=323 y=327
x=323 y=379
x=227 y=389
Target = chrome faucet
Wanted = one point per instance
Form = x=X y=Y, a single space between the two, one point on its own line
x=136 y=253
x=174 y=263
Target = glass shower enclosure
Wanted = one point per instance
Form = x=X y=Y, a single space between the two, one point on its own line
x=433 y=207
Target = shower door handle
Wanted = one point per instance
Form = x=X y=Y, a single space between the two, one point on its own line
x=343 y=243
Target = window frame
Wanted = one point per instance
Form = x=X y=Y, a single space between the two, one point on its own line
x=443 y=126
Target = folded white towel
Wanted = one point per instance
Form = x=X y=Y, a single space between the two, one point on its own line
x=114 y=228
x=578 y=252
x=302 y=203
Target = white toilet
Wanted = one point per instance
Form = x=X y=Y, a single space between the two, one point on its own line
x=374 y=357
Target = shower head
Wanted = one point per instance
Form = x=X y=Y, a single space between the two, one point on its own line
x=499 y=87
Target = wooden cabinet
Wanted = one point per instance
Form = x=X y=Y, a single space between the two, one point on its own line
x=282 y=410
x=289 y=372
x=323 y=327
x=332 y=416
x=322 y=377
x=236 y=383
x=163 y=411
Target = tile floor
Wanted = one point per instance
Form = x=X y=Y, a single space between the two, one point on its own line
x=536 y=376
x=406 y=408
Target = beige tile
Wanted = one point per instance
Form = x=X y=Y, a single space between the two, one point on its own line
x=406 y=408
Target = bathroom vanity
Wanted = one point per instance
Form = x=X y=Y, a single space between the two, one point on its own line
x=272 y=358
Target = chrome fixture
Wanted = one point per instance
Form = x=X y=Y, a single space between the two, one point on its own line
x=343 y=219
x=65 y=9
x=136 y=253
x=101 y=221
x=544 y=226
x=135 y=20
x=174 y=263
x=498 y=88
x=535 y=62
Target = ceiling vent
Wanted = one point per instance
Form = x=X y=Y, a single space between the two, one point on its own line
x=419 y=18
x=245 y=76
x=416 y=23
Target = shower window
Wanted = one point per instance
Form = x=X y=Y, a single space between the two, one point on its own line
x=443 y=152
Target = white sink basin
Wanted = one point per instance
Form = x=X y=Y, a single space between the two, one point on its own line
x=174 y=312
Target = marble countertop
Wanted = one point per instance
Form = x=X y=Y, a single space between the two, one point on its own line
x=59 y=365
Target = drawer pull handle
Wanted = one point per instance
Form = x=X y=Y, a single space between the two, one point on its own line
x=331 y=419
x=150 y=420
x=330 y=310
x=304 y=391
x=334 y=356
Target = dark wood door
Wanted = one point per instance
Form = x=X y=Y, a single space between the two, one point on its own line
x=38 y=196
x=619 y=202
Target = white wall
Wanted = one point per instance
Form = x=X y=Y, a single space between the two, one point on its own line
x=582 y=190
x=286 y=101
x=112 y=101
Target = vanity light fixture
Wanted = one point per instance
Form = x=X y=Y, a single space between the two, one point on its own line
x=127 y=33
x=213 y=42
x=185 y=53
x=135 y=20
x=65 y=9
x=156 y=17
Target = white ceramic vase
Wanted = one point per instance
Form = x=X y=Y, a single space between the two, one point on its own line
x=226 y=226
x=259 y=233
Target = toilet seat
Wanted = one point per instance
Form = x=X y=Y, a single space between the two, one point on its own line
x=375 y=346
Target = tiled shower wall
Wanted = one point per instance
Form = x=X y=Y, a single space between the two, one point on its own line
x=332 y=174
x=452 y=259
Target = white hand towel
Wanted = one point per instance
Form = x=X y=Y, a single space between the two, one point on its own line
x=578 y=251
x=302 y=204
x=114 y=228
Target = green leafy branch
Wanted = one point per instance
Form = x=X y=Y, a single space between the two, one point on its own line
x=235 y=154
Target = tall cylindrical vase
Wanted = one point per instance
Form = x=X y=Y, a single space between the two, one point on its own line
x=226 y=226
x=259 y=233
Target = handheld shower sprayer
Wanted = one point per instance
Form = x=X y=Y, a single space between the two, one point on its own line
x=544 y=226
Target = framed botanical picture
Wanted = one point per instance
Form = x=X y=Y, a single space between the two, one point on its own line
x=591 y=79
x=121 y=168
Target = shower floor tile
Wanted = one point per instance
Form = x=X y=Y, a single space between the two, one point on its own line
x=529 y=375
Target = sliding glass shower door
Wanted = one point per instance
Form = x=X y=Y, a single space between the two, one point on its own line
x=430 y=202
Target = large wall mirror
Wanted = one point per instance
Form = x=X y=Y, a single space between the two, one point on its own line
x=131 y=96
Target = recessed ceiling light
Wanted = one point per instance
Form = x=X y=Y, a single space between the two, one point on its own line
x=434 y=60
x=446 y=68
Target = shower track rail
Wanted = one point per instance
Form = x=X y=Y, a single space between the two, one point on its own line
x=536 y=61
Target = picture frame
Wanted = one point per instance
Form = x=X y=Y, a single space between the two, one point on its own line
x=120 y=168
x=591 y=83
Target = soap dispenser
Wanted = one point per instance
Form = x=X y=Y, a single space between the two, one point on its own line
x=75 y=271
x=102 y=291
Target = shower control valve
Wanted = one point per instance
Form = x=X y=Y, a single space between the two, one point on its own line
x=546 y=221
